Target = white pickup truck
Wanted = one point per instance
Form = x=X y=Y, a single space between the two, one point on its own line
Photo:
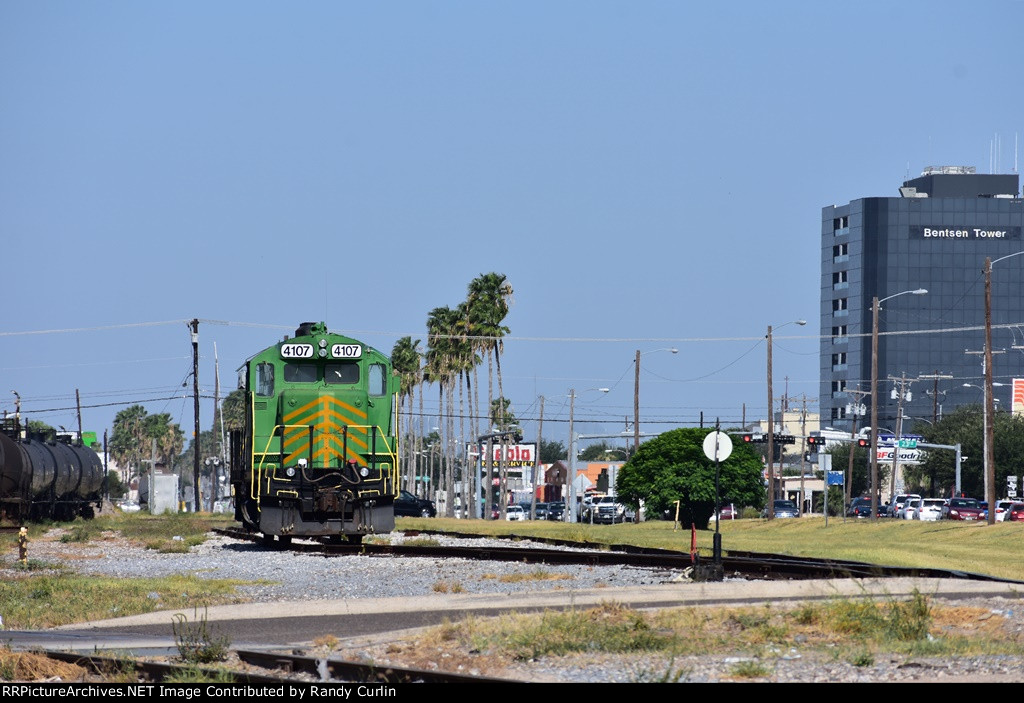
x=607 y=510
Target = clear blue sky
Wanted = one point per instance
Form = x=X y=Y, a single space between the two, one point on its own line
x=646 y=174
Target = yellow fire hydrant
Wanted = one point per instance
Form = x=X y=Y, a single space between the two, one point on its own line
x=23 y=546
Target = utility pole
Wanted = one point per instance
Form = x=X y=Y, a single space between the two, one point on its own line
x=536 y=462
x=195 y=396
x=78 y=408
x=803 y=453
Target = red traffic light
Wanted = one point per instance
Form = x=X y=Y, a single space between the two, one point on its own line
x=815 y=441
x=748 y=438
x=863 y=442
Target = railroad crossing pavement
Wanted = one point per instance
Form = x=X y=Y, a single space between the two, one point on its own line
x=292 y=623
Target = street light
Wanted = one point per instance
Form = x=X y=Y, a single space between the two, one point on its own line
x=771 y=422
x=990 y=463
x=636 y=394
x=875 y=306
x=570 y=475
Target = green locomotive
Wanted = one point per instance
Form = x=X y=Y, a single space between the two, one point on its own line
x=317 y=455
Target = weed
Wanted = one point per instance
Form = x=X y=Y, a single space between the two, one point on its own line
x=328 y=642
x=195 y=674
x=535 y=575
x=196 y=644
x=862 y=658
x=422 y=542
x=910 y=620
x=79 y=533
x=750 y=669
x=448 y=587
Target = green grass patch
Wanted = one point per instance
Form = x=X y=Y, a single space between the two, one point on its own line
x=49 y=600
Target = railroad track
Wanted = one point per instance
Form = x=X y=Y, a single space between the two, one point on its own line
x=286 y=668
x=751 y=565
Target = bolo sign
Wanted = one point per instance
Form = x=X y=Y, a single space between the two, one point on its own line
x=719 y=441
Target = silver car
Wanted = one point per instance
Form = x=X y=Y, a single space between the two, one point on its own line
x=929 y=509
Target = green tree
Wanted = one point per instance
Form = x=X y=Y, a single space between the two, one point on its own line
x=673 y=466
x=551 y=451
x=936 y=475
x=233 y=410
x=603 y=451
x=405 y=363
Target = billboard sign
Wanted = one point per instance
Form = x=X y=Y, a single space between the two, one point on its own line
x=906 y=456
x=516 y=455
x=1018 y=397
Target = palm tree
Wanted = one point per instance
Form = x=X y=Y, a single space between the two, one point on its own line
x=405 y=360
x=442 y=324
x=487 y=305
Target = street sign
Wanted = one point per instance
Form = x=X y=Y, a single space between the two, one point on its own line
x=836 y=478
x=908 y=444
x=719 y=441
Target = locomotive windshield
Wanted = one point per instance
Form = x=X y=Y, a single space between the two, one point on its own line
x=300 y=373
x=341 y=372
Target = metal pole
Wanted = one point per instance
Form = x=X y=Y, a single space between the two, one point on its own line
x=571 y=463
x=195 y=404
x=874 y=408
x=990 y=464
x=771 y=433
x=636 y=402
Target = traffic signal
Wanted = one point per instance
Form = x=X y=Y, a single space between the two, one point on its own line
x=756 y=438
x=815 y=441
x=863 y=442
x=785 y=438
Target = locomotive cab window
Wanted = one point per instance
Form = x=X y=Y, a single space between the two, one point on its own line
x=375 y=382
x=300 y=373
x=265 y=379
x=343 y=372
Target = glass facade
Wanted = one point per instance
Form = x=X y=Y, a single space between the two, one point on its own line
x=935 y=236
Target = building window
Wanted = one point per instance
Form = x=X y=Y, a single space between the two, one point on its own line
x=839 y=361
x=839 y=334
x=841 y=225
x=840 y=280
x=840 y=253
x=838 y=388
x=839 y=307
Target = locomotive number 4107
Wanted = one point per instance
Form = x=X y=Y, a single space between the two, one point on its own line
x=297 y=351
x=346 y=351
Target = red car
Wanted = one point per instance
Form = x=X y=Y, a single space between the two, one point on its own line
x=1015 y=513
x=963 y=509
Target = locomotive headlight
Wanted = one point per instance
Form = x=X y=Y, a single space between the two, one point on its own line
x=364 y=471
x=323 y=343
x=290 y=472
x=322 y=353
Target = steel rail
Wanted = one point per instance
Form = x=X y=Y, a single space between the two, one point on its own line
x=751 y=565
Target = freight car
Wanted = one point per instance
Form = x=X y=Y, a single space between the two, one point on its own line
x=46 y=476
x=317 y=454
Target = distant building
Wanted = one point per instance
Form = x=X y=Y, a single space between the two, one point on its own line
x=934 y=236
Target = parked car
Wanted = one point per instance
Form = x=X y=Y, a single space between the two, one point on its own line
x=1001 y=507
x=962 y=509
x=727 y=512
x=909 y=507
x=129 y=506
x=930 y=509
x=540 y=511
x=1015 y=513
x=783 y=508
x=897 y=503
x=408 y=505
x=555 y=511
x=515 y=513
x=859 y=507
